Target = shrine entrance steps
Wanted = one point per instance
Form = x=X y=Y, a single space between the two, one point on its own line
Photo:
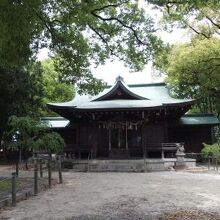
x=125 y=165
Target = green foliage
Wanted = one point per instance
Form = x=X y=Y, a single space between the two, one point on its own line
x=22 y=132
x=212 y=150
x=193 y=71
x=54 y=90
x=51 y=142
x=161 y=61
x=202 y=17
x=28 y=134
x=21 y=92
x=26 y=91
x=207 y=150
x=19 y=30
x=78 y=33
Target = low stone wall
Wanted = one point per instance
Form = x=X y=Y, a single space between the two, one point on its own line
x=141 y=165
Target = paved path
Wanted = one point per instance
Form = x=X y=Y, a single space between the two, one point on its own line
x=121 y=196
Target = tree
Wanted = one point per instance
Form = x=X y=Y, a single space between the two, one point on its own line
x=193 y=70
x=202 y=17
x=50 y=142
x=27 y=134
x=54 y=90
x=21 y=93
x=22 y=132
x=78 y=33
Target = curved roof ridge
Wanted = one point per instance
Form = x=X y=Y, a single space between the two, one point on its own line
x=119 y=85
x=147 y=84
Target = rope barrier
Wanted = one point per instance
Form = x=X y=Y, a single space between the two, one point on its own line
x=27 y=179
x=4 y=179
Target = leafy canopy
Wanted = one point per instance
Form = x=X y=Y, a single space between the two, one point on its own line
x=50 y=142
x=193 y=70
x=21 y=92
x=202 y=17
x=28 y=134
x=54 y=90
x=212 y=150
x=78 y=33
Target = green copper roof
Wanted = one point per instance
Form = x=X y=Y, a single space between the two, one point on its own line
x=198 y=119
x=55 y=122
x=122 y=88
x=140 y=96
x=186 y=120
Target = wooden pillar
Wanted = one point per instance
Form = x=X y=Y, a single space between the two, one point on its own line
x=162 y=153
x=126 y=135
x=94 y=140
x=109 y=138
x=143 y=140
x=119 y=137
x=165 y=126
x=77 y=141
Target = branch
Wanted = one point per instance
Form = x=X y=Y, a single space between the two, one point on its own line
x=122 y=23
x=103 y=39
x=48 y=24
x=211 y=20
x=109 y=6
x=197 y=32
x=173 y=2
x=177 y=2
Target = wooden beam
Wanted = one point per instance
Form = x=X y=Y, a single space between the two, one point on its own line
x=126 y=135
x=119 y=137
x=109 y=138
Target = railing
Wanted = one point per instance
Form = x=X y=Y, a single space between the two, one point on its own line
x=89 y=155
x=162 y=148
x=25 y=182
x=72 y=151
x=8 y=185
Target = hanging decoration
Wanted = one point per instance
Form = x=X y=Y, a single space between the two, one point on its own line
x=120 y=125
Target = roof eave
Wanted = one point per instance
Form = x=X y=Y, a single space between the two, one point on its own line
x=124 y=88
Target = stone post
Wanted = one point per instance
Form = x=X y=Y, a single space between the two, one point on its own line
x=35 y=175
x=180 y=157
x=49 y=170
x=60 y=169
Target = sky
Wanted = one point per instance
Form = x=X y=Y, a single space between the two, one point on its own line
x=112 y=69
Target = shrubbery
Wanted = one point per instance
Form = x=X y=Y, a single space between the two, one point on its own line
x=27 y=134
x=212 y=150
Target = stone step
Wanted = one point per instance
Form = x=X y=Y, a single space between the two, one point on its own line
x=115 y=167
x=196 y=169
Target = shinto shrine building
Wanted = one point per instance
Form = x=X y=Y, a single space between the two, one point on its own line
x=131 y=122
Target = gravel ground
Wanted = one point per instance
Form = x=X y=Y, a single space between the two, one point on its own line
x=111 y=196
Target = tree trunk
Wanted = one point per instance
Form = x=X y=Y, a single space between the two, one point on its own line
x=1 y=136
x=20 y=156
x=26 y=159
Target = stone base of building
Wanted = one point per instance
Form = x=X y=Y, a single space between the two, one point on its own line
x=132 y=165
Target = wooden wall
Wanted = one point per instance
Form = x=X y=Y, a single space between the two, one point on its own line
x=192 y=136
x=86 y=138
